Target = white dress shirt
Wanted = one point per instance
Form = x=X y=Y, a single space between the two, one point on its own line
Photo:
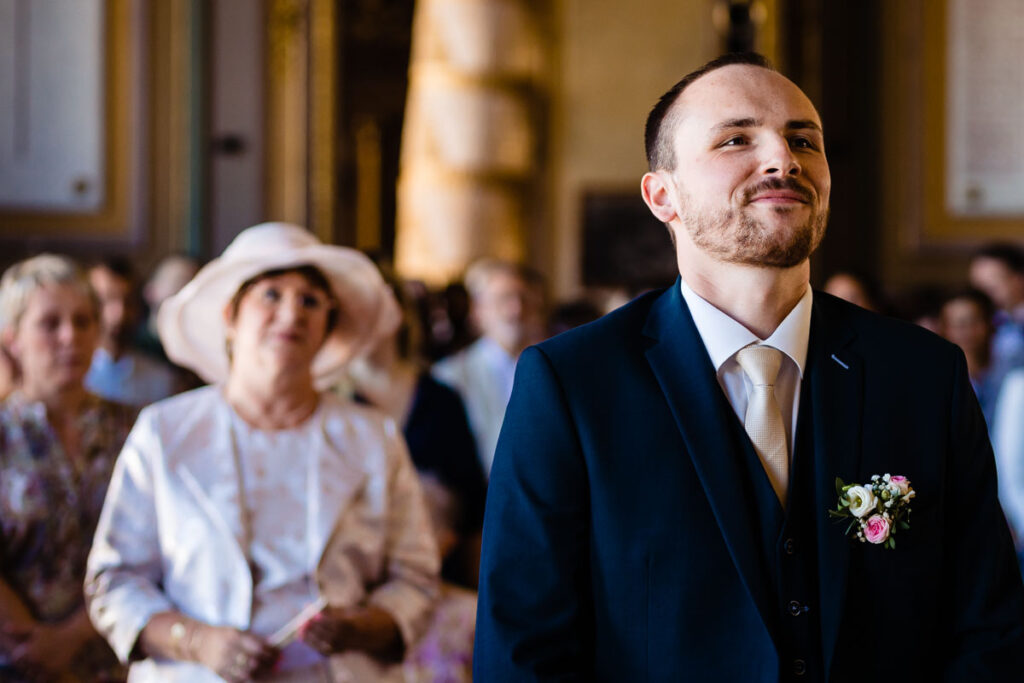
x=723 y=337
x=482 y=374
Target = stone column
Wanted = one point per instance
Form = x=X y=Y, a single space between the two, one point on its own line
x=471 y=135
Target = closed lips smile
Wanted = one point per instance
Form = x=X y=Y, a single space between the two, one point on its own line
x=781 y=196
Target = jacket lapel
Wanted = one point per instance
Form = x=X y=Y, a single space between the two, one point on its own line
x=684 y=372
x=336 y=476
x=837 y=380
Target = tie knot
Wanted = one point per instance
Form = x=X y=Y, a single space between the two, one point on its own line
x=761 y=363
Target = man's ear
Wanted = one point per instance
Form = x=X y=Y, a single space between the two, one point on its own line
x=656 y=191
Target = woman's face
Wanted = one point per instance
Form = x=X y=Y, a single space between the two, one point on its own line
x=55 y=339
x=280 y=323
x=964 y=323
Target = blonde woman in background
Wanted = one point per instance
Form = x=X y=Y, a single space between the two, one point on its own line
x=58 y=444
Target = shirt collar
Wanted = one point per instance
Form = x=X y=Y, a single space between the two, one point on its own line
x=723 y=336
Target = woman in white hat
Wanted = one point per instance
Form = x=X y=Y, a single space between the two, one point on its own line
x=240 y=510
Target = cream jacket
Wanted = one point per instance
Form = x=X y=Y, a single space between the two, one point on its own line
x=171 y=533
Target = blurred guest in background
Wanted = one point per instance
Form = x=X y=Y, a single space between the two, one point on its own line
x=923 y=306
x=570 y=314
x=236 y=507
x=445 y=316
x=507 y=307
x=395 y=379
x=58 y=444
x=445 y=652
x=998 y=271
x=170 y=275
x=857 y=289
x=1008 y=444
x=967 y=322
x=120 y=372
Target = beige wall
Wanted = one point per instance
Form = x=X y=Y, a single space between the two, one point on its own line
x=614 y=59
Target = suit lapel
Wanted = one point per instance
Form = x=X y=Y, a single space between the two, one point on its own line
x=837 y=380
x=684 y=372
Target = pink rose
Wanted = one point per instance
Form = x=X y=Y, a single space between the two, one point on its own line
x=876 y=529
x=900 y=482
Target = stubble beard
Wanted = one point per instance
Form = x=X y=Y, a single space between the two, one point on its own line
x=737 y=236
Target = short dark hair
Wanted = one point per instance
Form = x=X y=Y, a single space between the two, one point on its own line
x=121 y=266
x=313 y=275
x=976 y=297
x=660 y=153
x=1007 y=253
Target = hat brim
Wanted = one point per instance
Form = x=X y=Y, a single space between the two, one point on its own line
x=193 y=331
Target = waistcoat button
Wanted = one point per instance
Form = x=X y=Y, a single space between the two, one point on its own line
x=799 y=667
x=789 y=546
x=795 y=608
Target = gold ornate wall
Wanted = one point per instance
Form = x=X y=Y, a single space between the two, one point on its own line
x=924 y=240
x=301 y=142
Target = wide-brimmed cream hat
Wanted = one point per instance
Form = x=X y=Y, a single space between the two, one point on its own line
x=191 y=323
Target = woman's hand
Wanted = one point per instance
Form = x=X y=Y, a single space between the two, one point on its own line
x=369 y=629
x=233 y=655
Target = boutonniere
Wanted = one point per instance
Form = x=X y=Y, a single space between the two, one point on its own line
x=876 y=510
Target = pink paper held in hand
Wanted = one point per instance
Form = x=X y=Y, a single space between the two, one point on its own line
x=287 y=633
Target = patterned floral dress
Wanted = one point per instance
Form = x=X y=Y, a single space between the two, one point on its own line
x=49 y=507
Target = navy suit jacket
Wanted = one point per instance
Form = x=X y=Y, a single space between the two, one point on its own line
x=620 y=542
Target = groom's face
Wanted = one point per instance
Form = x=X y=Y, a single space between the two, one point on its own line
x=751 y=183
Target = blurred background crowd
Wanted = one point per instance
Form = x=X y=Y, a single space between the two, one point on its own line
x=82 y=354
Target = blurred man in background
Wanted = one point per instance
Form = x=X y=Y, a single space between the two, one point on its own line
x=507 y=307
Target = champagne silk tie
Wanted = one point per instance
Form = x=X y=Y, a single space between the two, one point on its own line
x=763 y=420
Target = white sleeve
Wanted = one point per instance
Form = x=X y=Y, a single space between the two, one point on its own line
x=124 y=571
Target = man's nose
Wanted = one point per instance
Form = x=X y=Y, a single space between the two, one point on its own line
x=778 y=158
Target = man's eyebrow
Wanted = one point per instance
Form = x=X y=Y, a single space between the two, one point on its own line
x=729 y=124
x=803 y=124
x=749 y=122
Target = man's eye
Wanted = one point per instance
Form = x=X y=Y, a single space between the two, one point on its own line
x=735 y=141
x=271 y=294
x=802 y=143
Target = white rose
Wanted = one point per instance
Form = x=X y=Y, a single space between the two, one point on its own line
x=862 y=500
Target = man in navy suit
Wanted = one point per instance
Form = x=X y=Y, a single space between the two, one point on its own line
x=658 y=507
